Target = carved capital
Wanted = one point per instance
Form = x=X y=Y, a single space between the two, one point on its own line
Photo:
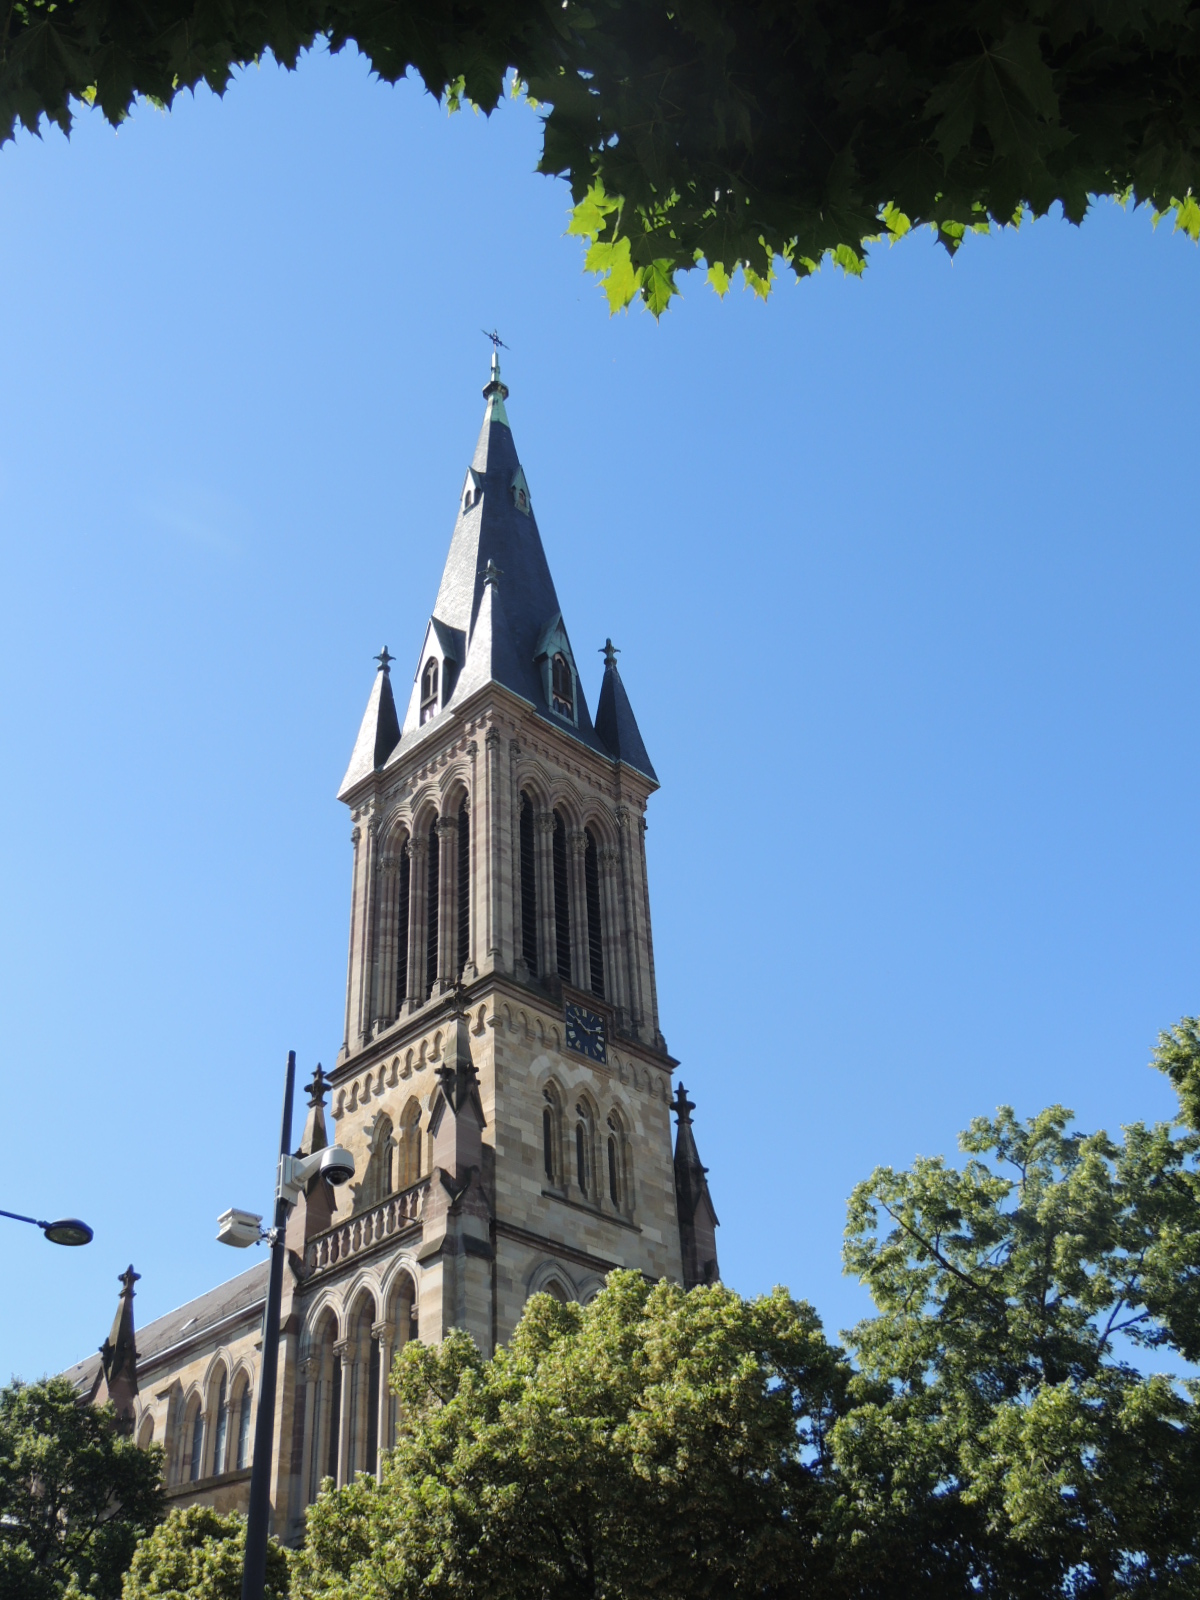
x=544 y=822
x=380 y=1331
x=624 y=817
x=446 y=826
x=355 y=835
x=310 y=1370
x=609 y=856
x=492 y=738
x=344 y=1351
x=415 y=850
x=577 y=839
x=472 y=748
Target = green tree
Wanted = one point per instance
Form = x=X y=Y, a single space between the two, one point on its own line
x=75 y=1494
x=651 y=1443
x=1002 y=1442
x=728 y=133
x=197 y=1554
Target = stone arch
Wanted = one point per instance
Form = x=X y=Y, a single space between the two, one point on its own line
x=588 y=1288
x=323 y=1371
x=361 y=1382
x=379 y=1180
x=400 y=1325
x=216 y=1415
x=239 y=1447
x=145 y=1432
x=602 y=823
x=548 y=1276
x=192 y=1436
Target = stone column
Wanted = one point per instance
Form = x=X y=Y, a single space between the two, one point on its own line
x=616 y=986
x=543 y=827
x=310 y=1372
x=416 y=924
x=581 y=966
x=382 y=1333
x=447 y=966
x=343 y=1351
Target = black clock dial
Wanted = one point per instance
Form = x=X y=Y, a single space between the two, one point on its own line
x=585 y=1031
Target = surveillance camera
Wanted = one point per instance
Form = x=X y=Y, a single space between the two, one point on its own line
x=337 y=1165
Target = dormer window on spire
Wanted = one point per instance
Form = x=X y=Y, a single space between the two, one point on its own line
x=429 y=689
x=562 y=686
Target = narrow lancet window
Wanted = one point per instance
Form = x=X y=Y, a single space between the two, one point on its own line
x=431 y=911
x=562 y=902
x=614 y=1187
x=562 y=686
x=198 y=1443
x=464 y=887
x=429 y=689
x=402 y=893
x=591 y=874
x=222 y=1421
x=243 y=1438
x=529 y=929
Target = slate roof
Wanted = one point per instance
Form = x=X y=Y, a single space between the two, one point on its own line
x=499 y=616
x=245 y=1293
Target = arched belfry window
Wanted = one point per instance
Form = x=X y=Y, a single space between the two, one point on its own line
x=431 y=910
x=403 y=889
x=429 y=689
x=562 y=686
x=464 y=888
x=529 y=929
x=562 y=901
x=591 y=878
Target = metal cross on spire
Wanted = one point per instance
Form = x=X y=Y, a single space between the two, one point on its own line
x=497 y=342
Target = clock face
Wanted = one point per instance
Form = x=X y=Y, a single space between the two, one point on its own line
x=585 y=1031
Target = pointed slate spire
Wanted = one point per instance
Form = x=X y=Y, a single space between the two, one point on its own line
x=118 y=1356
x=379 y=733
x=697 y=1217
x=496 y=534
x=615 y=721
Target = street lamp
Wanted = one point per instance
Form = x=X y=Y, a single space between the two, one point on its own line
x=242 y=1228
x=67 y=1230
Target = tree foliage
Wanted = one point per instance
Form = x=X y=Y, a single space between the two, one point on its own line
x=990 y=1435
x=197 y=1554
x=651 y=1443
x=728 y=133
x=1001 y=1440
x=75 y=1494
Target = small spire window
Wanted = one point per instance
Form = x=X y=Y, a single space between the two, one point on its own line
x=562 y=686
x=429 y=689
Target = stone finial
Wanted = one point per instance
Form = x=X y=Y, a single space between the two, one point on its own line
x=610 y=653
x=385 y=660
x=316 y=1089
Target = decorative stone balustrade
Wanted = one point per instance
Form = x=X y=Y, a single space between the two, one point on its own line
x=356 y=1234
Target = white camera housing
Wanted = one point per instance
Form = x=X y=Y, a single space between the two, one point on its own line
x=295 y=1172
x=239 y=1228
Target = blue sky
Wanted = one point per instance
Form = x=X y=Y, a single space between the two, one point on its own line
x=903 y=572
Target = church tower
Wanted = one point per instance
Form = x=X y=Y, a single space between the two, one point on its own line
x=503 y=1065
x=502 y=1080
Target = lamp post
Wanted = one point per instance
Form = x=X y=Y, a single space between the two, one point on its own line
x=242 y=1228
x=67 y=1230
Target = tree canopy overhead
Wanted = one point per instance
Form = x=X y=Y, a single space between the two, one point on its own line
x=724 y=133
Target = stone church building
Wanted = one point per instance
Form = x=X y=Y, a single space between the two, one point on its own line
x=503 y=1081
